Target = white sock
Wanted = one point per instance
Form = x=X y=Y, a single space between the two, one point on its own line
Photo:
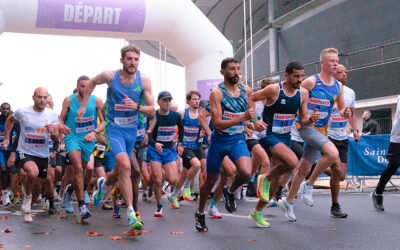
x=176 y=192
x=129 y=210
x=187 y=184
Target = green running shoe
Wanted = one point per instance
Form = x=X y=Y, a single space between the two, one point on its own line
x=257 y=218
x=263 y=188
x=187 y=194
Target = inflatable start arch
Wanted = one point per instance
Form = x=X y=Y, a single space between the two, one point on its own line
x=178 y=24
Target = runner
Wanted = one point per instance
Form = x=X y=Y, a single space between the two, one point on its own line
x=393 y=156
x=6 y=171
x=125 y=89
x=337 y=133
x=230 y=108
x=161 y=151
x=79 y=138
x=193 y=154
x=282 y=101
x=37 y=124
x=324 y=91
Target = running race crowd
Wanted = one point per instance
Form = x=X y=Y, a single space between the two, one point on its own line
x=292 y=128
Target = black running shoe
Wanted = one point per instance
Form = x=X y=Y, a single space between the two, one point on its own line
x=337 y=212
x=377 y=201
x=200 y=222
x=53 y=210
x=230 y=202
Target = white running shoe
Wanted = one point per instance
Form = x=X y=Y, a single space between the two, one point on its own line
x=213 y=211
x=6 y=198
x=26 y=209
x=287 y=208
x=306 y=193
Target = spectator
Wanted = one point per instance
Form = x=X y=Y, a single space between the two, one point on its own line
x=370 y=126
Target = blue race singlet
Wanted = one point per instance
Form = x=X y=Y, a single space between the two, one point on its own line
x=80 y=127
x=191 y=131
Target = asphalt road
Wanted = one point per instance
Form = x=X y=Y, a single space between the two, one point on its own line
x=365 y=228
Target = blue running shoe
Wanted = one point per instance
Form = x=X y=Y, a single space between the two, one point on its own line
x=70 y=208
x=99 y=194
x=134 y=223
x=84 y=213
x=86 y=198
x=116 y=213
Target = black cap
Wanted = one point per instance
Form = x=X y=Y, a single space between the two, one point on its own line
x=164 y=95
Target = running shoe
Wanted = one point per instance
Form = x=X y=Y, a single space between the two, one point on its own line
x=70 y=208
x=53 y=210
x=139 y=217
x=98 y=194
x=263 y=188
x=86 y=198
x=258 y=219
x=174 y=201
x=106 y=206
x=26 y=209
x=306 y=193
x=134 y=223
x=67 y=198
x=45 y=204
x=200 y=222
x=213 y=211
x=230 y=203
x=377 y=201
x=6 y=198
x=116 y=213
x=84 y=213
x=272 y=203
x=287 y=208
x=158 y=212
x=187 y=194
x=337 y=212
x=144 y=196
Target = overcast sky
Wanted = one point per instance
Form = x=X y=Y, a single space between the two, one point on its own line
x=55 y=62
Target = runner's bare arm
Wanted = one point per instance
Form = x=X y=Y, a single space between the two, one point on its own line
x=343 y=110
x=149 y=109
x=103 y=78
x=203 y=121
x=99 y=107
x=63 y=115
x=266 y=93
x=304 y=118
x=308 y=83
x=7 y=130
x=216 y=112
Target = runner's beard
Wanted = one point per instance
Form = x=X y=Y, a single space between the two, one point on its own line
x=233 y=80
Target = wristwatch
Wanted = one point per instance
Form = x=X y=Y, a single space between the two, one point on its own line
x=138 y=107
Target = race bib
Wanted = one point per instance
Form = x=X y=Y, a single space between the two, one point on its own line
x=238 y=128
x=323 y=107
x=282 y=123
x=84 y=124
x=190 y=134
x=101 y=147
x=141 y=132
x=35 y=140
x=338 y=123
x=165 y=134
x=124 y=116
x=1 y=136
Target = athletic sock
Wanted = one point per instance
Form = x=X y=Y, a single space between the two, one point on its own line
x=187 y=184
x=176 y=192
x=129 y=210
x=335 y=204
x=85 y=186
x=213 y=203
x=51 y=202
x=70 y=190
x=81 y=203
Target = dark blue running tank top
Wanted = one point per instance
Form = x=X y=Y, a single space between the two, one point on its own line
x=233 y=107
x=117 y=112
x=191 y=131
x=281 y=114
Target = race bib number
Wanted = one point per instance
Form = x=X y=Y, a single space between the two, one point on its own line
x=124 y=116
x=237 y=129
x=165 y=134
x=101 y=147
x=282 y=123
x=190 y=134
x=35 y=140
x=323 y=107
x=84 y=124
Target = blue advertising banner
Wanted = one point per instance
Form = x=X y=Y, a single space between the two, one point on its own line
x=368 y=156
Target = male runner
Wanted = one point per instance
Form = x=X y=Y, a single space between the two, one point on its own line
x=125 y=89
x=393 y=156
x=324 y=91
x=337 y=133
x=161 y=151
x=230 y=108
x=193 y=154
x=5 y=170
x=282 y=101
x=37 y=124
x=79 y=137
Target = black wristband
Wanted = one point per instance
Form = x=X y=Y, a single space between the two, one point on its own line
x=310 y=119
x=138 y=107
